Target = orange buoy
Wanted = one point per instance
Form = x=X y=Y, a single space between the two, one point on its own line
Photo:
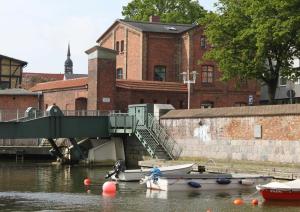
x=87 y=181
x=209 y=210
x=254 y=202
x=108 y=194
x=238 y=201
x=109 y=187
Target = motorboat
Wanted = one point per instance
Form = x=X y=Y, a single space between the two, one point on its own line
x=286 y=191
x=121 y=174
x=204 y=181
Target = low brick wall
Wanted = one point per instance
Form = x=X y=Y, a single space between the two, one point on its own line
x=262 y=133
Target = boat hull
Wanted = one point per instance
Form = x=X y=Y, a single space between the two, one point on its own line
x=201 y=184
x=276 y=194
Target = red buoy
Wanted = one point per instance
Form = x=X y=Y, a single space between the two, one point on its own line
x=109 y=187
x=254 y=202
x=109 y=195
x=87 y=181
x=238 y=201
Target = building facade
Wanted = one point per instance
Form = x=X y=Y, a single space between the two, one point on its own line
x=143 y=62
x=11 y=70
x=155 y=51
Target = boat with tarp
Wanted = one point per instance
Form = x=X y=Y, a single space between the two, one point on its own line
x=281 y=191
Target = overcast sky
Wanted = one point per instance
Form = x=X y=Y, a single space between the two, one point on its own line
x=38 y=31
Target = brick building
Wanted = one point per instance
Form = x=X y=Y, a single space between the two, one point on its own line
x=143 y=62
x=12 y=97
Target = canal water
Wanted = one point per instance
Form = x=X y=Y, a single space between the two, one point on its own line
x=46 y=187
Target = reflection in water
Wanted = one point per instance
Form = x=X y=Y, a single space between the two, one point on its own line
x=44 y=187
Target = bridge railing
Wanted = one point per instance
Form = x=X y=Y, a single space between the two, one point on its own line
x=169 y=144
x=23 y=115
x=121 y=123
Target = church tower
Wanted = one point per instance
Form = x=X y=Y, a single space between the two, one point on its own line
x=68 y=63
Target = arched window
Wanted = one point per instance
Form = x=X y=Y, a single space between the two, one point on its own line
x=160 y=73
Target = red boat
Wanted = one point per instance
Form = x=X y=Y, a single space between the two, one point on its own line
x=288 y=191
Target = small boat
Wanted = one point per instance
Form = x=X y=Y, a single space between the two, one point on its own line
x=204 y=181
x=121 y=174
x=287 y=191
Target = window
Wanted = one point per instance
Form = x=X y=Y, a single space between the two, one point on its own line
x=117 y=46
x=160 y=73
x=207 y=104
x=142 y=101
x=282 y=81
x=168 y=101
x=207 y=74
x=240 y=104
x=154 y=101
x=181 y=104
x=202 y=42
x=119 y=74
x=122 y=45
x=4 y=85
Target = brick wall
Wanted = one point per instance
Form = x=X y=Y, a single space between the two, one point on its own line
x=162 y=50
x=21 y=102
x=134 y=60
x=125 y=97
x=64 y=99
x=234 y=138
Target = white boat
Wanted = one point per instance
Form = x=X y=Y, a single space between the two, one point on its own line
x=204 y=181
x=137 y=174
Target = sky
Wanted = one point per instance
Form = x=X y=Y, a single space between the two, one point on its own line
x=38 y=31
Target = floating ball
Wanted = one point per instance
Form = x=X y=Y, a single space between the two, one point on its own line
x=108 y=194
x=109 y=187
x=87 y=182
x=238 y=202
x=209 y=210
x=254 y=202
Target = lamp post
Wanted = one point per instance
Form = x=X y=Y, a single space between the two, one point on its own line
x=188 y=81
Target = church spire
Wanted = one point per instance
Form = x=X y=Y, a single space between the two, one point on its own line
x=69 y=54
x=68 y=62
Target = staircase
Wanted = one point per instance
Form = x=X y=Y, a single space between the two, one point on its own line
x=156 y=140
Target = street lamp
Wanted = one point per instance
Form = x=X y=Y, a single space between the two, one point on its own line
x=188 y=81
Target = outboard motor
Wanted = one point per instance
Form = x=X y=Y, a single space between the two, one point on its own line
x=117 y=168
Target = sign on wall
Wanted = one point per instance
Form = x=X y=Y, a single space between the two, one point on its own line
x=106 y=99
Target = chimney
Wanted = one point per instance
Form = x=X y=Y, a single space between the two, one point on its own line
x=154 y=18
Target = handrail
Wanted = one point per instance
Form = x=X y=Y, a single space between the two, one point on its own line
x=167 y=142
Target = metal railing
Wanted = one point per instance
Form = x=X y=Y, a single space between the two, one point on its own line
x=23 y=115
x=121 y=121
x=167 y=142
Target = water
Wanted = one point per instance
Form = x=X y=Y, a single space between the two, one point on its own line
x=46 y=187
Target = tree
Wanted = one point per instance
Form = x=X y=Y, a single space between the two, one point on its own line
x=255 y=39
x=170 y=11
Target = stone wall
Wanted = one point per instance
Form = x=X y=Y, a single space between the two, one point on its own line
x=134 y=152
x=274 y=138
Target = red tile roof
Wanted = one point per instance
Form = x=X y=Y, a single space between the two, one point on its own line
x=61 y=84
x=44 y=75
x=151 y=85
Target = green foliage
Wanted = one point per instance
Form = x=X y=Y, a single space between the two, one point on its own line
x=170 y=11
x=255 y=39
